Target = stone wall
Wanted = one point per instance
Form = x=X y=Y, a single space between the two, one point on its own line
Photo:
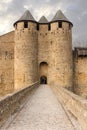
x=26 y=61
x=55 y=48
x=43 y=46
x=80 y=76
x=51 y=45
x=7 y=63
x=13 y=102
x=73 y=103
x=60 y=51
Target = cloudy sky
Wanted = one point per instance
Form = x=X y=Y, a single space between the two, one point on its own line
x=75 y=11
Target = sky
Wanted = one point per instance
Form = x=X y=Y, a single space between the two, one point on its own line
x=74 y=10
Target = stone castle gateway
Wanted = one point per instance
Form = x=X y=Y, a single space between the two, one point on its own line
x=42 y=51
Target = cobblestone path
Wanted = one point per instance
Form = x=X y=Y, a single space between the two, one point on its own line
x=41 y=112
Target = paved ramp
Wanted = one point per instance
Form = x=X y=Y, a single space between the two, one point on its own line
x=41 y=112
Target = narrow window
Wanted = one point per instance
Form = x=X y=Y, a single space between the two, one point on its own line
x=60 y=24
x=38 y=27
x=25 y=24
x=49 y=27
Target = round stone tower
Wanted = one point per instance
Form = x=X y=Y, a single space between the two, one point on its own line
x=43 y=49
x=60 y=40
x=26 y=61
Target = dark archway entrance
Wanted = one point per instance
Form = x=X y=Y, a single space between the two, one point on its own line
x=43 y=80
x=43 y=69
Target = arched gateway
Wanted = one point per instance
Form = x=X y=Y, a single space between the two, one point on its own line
x=43 y=80
x=43 y=72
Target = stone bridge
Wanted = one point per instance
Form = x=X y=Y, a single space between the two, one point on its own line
x=41 y=107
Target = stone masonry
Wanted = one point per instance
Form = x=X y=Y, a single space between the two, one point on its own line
x=38 y=51
x=41 y=112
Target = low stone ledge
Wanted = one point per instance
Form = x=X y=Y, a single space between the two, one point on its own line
x=74 y=104
x=12 y=102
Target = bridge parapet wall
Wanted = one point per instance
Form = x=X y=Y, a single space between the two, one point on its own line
x=11 y=103
x=73 y=103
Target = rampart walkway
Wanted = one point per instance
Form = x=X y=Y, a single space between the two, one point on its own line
x=41 y=112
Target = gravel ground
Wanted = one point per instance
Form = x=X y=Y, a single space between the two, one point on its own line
x=41 y=112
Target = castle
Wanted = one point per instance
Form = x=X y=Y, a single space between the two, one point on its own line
x=42 y=51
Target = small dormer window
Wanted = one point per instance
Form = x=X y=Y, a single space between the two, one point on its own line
x=25 y=24
x=60 y=24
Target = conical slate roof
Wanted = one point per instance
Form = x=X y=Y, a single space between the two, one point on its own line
x=27 y=16
x=43 y=20
x=59 y=16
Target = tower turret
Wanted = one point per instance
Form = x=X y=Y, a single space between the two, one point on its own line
x=43 y=47
x=61 y=65
x=25 y=66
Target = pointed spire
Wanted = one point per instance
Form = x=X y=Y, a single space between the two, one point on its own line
x=43 y=20
x=59 y=16
x=27 y=16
